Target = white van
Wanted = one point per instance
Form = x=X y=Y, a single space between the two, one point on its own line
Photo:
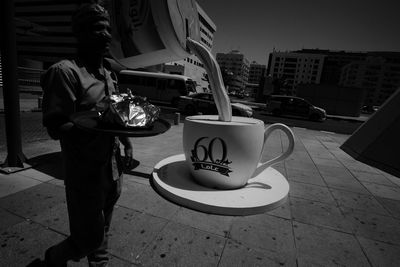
x=157 y=87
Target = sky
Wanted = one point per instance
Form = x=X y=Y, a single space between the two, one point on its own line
x=256 y=27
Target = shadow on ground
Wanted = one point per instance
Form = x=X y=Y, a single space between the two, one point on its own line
x=50 y=164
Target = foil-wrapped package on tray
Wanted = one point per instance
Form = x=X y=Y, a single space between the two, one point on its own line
x=128 y=110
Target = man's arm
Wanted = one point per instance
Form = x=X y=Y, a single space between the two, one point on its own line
x=58 y=100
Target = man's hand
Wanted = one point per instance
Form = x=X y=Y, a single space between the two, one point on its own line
x=128 y=151
x=128 y=160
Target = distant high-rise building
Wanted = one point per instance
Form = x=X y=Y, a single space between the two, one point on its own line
x=378 y=76
x=238 y=66
x=257 y=75
x=257 y=71
x=378 y=73
x=192 y=66
x=334 y=61
x=292 y=68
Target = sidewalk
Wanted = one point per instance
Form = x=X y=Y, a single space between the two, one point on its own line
x=339 y=212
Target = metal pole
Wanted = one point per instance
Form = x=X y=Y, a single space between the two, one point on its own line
x=15 y=157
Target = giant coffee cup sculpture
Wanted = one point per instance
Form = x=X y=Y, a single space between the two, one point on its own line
x=224 y=151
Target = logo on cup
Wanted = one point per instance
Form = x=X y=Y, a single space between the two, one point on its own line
x=208 y=161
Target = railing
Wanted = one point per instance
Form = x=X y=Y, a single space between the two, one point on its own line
x=29 y=80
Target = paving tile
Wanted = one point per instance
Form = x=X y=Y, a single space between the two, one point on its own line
x=264 y=232
x=393 y=206
x=236 y=254
x=137 y=177
x=32 y=201
x=373 y=226
x=331 y=170
x=355 y=165
x=392 y=192
x=311 y=192
x=320 y=153
x=339 y=138
x=151 y=158
x=48 y=164
x=114 y=262
x=282 y=211
x=317 y=213
x=35 y=174
x=317 y=246
x=342 y=156
x=23 y=242
x=131 y=232
x=329 y=143
x=300 y=163
x=14 y=183
x=333 y=162
x=393 y=179
x=342 y=179
x=179 y=245
x=372 y=178
x=56 y=182
x=8 y=219
x=300 y=158
x=215 y=224
x=305 y=176
x=143 y=198
x=270 y=153
x=38 y=149
x=317 y=150
x=363 y=202
x=55 y=217
x=379 y=253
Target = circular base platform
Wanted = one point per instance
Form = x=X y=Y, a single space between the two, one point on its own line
x=172 y=179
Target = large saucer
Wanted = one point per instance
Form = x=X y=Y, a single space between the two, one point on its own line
x=266 y=191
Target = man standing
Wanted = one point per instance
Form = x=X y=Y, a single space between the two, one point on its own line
x=93 y=167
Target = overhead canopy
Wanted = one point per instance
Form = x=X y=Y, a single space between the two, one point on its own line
x=151 y=32
x=377 y=141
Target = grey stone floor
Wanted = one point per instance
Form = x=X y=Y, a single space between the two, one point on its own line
x=339 y=212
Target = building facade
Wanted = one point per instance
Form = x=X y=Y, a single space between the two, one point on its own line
x=192 y=66
x=43 y=30
x=334 y=62
x=293 y=68
x=257 y=75
x=378 y=76
x=44 y=36
x=237 y=66
x=256 y=72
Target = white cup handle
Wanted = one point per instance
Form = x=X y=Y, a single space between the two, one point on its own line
x=287 y=153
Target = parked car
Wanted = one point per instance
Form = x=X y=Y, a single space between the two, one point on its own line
x=369 y=109
x=280 y=105
x=204 y=103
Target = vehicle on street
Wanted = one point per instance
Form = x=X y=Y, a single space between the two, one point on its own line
x=369 y=109
x=156 y=87
x=204 y=103
x=280 y=105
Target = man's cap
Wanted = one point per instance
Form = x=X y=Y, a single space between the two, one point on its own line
x=87 y=14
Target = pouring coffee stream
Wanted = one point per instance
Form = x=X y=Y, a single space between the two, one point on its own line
x=221 y=97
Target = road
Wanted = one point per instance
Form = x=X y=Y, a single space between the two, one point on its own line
x=330 y=125
x=32 y=130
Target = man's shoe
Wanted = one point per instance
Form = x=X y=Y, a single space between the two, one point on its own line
x=48 y=263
